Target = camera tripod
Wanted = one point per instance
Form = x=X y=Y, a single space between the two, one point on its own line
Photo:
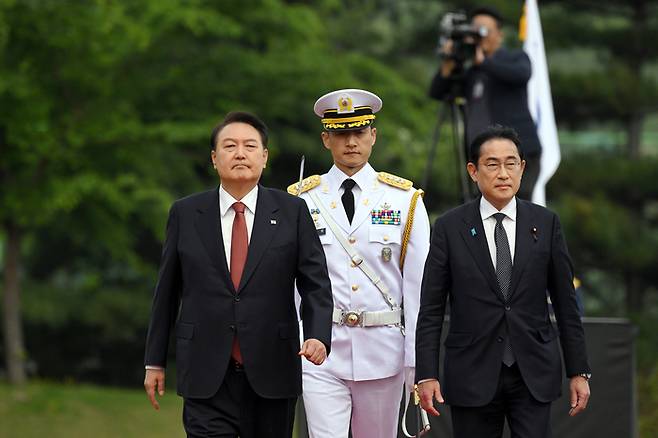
x=455 y=108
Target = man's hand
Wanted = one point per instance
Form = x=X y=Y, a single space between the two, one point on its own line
x=579 y=389
x=154 y=380
x=314 y=351
x=479 y=55
x=448 y=64
x=428 y=391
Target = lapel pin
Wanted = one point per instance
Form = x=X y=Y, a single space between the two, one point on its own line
x=365 y=202
x=473 y=233
x=333 y=204
x=533 y=230
x=272 y=221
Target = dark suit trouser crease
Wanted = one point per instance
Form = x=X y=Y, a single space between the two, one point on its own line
x=526 y=417
x=236 y=410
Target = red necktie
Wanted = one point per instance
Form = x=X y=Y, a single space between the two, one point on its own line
x=239 y=246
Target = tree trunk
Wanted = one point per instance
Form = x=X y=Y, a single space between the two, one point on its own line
x=15 y=354
x=634 y=293
x=634 y=129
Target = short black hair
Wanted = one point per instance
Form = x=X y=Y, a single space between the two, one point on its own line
x=491 y=133
x=240 y=117
x=491 y=12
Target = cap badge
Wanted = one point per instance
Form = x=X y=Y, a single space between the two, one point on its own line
x=345 y=104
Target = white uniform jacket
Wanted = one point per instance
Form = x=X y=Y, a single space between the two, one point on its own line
x=380 y=215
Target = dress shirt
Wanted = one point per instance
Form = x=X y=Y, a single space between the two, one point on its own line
x=489 y=222
x=226 y=215
x=361 y=178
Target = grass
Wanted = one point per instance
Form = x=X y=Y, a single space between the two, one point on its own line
x=52 y=410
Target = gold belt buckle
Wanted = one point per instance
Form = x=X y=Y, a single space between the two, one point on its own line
x=352 y=318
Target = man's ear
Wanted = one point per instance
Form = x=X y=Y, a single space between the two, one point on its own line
x=472 y=171
x=325 y=139
x=213 y=158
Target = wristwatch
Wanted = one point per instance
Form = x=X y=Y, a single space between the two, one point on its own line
x=586 y=376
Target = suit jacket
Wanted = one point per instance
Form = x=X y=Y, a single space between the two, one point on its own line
x=195 y=292
x=507 y=73
x=459 y=266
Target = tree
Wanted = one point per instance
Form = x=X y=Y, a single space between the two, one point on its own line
x=105 y=113
x=615 y=80
x=59 y=112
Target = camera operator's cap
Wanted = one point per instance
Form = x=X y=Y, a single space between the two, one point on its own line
x=348 y=109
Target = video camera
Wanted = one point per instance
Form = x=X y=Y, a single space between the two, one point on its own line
x=465 y=37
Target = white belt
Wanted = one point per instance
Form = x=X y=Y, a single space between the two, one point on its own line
x=355 y=318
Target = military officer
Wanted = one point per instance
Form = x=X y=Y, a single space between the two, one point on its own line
x=375 y=233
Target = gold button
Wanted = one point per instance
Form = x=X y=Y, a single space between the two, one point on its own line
x=352 y=239
x=355 y=287
x=385 y=238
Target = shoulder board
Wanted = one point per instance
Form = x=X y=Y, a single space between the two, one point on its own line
x=395 y=181
x=307 y=184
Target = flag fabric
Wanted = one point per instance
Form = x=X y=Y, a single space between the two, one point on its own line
x=540 y=101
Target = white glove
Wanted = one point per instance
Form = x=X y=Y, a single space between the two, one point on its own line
x=409 y=375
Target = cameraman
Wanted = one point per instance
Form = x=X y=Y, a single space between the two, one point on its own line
x=495 y=87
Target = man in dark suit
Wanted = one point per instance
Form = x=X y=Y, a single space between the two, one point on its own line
x=230 y=260
x=495 y=258
x=495 y=88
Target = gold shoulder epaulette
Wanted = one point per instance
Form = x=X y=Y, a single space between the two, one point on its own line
x=395 y=181
x=307 y=184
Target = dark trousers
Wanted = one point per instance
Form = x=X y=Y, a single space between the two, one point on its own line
x=526 y=417
x=236 y=410
x=530 y=175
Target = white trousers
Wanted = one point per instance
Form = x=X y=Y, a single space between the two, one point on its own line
x=373 y=406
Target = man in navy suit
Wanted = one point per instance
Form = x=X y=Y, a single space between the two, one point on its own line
x=495 y=87
x=495 y=258
x=230 y=261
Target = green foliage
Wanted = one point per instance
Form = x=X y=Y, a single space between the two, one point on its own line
x=648 y=424
x=53 y=410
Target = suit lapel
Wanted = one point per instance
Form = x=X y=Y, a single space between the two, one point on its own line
x=334 y=206
x=266 y=222
x=525 y=242
x=362 y=211
x=476 y=242
x=210 y=233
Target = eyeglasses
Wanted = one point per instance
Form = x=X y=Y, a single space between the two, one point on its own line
x=494 y=166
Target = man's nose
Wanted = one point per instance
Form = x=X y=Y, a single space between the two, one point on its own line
x=240 y=151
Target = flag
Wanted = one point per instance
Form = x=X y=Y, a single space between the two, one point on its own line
x=540 y=102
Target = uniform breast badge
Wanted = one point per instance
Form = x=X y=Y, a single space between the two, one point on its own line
x=385 y=216
x=387 y=253
x=315 y=214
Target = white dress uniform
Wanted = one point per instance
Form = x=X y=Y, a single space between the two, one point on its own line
x=362 y=379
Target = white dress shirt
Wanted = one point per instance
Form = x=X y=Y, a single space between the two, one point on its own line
x=489 y=222
x=361 y=178
x=227 y=214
